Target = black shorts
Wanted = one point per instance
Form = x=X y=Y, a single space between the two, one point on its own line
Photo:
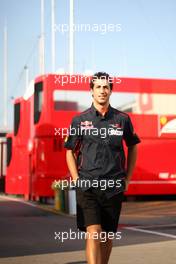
x=93 y=207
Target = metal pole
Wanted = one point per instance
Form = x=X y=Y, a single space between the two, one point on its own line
x=27 y=75
x=71 y=38
x=53 y=47
x=42 y=42
x=5 y=76
x=1 y=147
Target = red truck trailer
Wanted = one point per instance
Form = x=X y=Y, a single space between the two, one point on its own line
x=37 y=153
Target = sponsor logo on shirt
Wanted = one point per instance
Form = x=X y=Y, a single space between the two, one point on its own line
x=117 y=126
x=86 y=125
x=115 y=130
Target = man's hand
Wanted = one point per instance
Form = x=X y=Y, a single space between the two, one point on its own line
x=126 y=185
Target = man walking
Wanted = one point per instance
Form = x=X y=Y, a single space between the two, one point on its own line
x=96 y=161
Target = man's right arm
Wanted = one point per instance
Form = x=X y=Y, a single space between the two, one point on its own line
x=71 y=163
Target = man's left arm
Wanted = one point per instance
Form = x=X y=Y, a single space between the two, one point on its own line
x=131 y=161
x=131 y=139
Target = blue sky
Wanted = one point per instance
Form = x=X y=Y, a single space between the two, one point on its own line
x=145 y=47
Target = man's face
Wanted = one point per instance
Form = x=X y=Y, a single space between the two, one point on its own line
x=101 y=91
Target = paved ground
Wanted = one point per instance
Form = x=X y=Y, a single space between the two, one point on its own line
x=28 y=232
x=151 y=253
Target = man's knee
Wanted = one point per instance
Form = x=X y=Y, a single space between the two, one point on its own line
x=94 y=232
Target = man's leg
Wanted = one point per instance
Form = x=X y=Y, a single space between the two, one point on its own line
x=97 y=251
x=106 y=248
x=93 y=245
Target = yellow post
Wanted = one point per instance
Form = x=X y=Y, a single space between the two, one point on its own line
x=57 y=200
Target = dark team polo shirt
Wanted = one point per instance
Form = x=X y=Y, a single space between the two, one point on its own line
x=98 y=142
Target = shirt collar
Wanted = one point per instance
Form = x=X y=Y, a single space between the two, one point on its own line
x=97 y=113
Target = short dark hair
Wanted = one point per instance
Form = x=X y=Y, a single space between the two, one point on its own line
x=101 y=75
